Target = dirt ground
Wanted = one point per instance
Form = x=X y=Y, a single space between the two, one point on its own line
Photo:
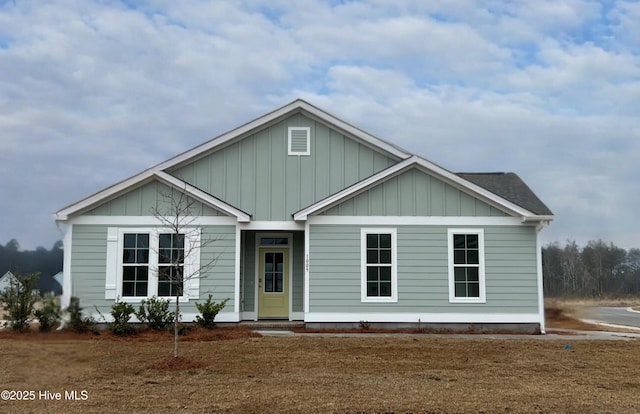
x=251 y=374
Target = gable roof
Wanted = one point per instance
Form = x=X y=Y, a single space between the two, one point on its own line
x=5 y=280
x=159 y=170
x=510 y=187
x=505 y=201
x=148 y=176
x=297 y=106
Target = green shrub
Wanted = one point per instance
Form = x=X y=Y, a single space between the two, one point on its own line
x=49 y=314
x=18 y=300
x=77 y=322
x=209 y=310
x=155 y=313
x=121 y=313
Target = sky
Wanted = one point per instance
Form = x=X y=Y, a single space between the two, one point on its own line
x=95 y=91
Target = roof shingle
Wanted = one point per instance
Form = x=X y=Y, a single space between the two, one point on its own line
x=510 y=187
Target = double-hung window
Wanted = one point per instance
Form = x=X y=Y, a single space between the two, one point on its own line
x=466 y=266
x=152 y=262
x=135 y=265
x=170 y=264
x=379 y=263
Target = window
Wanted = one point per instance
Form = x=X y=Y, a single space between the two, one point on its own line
x=379 y=281
x=170 y=264
x=299 y=140
x=274 y=241
x=153 y=262
x=274 y=272
x=135 y=265
x=466 y=266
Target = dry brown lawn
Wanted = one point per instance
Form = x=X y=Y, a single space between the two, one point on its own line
x=320 y=374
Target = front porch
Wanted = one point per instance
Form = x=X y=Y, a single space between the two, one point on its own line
x=271 y=275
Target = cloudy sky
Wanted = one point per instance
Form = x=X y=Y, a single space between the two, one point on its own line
x=92 y=92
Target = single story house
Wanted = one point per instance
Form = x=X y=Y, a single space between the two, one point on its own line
x=305 y=217
x=6 y=279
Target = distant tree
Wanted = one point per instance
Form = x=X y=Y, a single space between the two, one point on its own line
x=45 y=262
x=12 y=245
x=18 y=299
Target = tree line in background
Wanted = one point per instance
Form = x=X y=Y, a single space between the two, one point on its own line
x=43 y=261
x=599 y=269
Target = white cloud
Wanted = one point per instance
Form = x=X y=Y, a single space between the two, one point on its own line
x=93 y=92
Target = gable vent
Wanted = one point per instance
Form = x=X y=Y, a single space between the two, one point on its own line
x=299 y=141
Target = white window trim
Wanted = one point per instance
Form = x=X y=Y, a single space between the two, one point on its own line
x=290 y=137
x=481 y=273
x=192 y=241
x=363 y=265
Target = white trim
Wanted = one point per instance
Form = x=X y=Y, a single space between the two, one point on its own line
x=111 y=279
x=394 y=265
x=289 y=248
x=540 y=281
x=431 y=169
x=193 y=243
x=415 y=221
x=104 y=195
x=203 y=197
x=146 y=177
x=410 y=317
x=67 y=243
x=297 y=316
x=249 y=316
x=152 y=220
x=272 y=225
x=481 y=268
x=307 y=265
x=192 y=239
x=237 y=283
x=224 y=139
x=295 y=106
x=222 y=317
x=290 y=151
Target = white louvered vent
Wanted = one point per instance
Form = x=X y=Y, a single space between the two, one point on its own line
x=299 y=141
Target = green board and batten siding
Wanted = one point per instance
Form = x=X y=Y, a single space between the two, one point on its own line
x=257 y=176
x=144 y=200
x=414 y=193
x=510 y=269
x=88 y=266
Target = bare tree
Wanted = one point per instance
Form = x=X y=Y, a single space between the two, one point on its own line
x=179 y=246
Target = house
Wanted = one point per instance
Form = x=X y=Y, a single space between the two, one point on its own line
x=6 y=279
x=56 y=285
x=315 y=220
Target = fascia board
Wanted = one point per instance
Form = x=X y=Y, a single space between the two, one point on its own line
x=102 y=195
x=296 y=105
x=354 y=131
x=202 y=196
x=221 y=141
x=463 y=184
x=429 y=168
x=353 y=190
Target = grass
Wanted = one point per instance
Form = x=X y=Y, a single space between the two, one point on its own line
x=248 y=374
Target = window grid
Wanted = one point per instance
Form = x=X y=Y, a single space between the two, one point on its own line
x=466 y=265
x=274 y=272
x=379 y=265
x=379 y=282
x=170 y=251
x=152 y=264
x=135 y=265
